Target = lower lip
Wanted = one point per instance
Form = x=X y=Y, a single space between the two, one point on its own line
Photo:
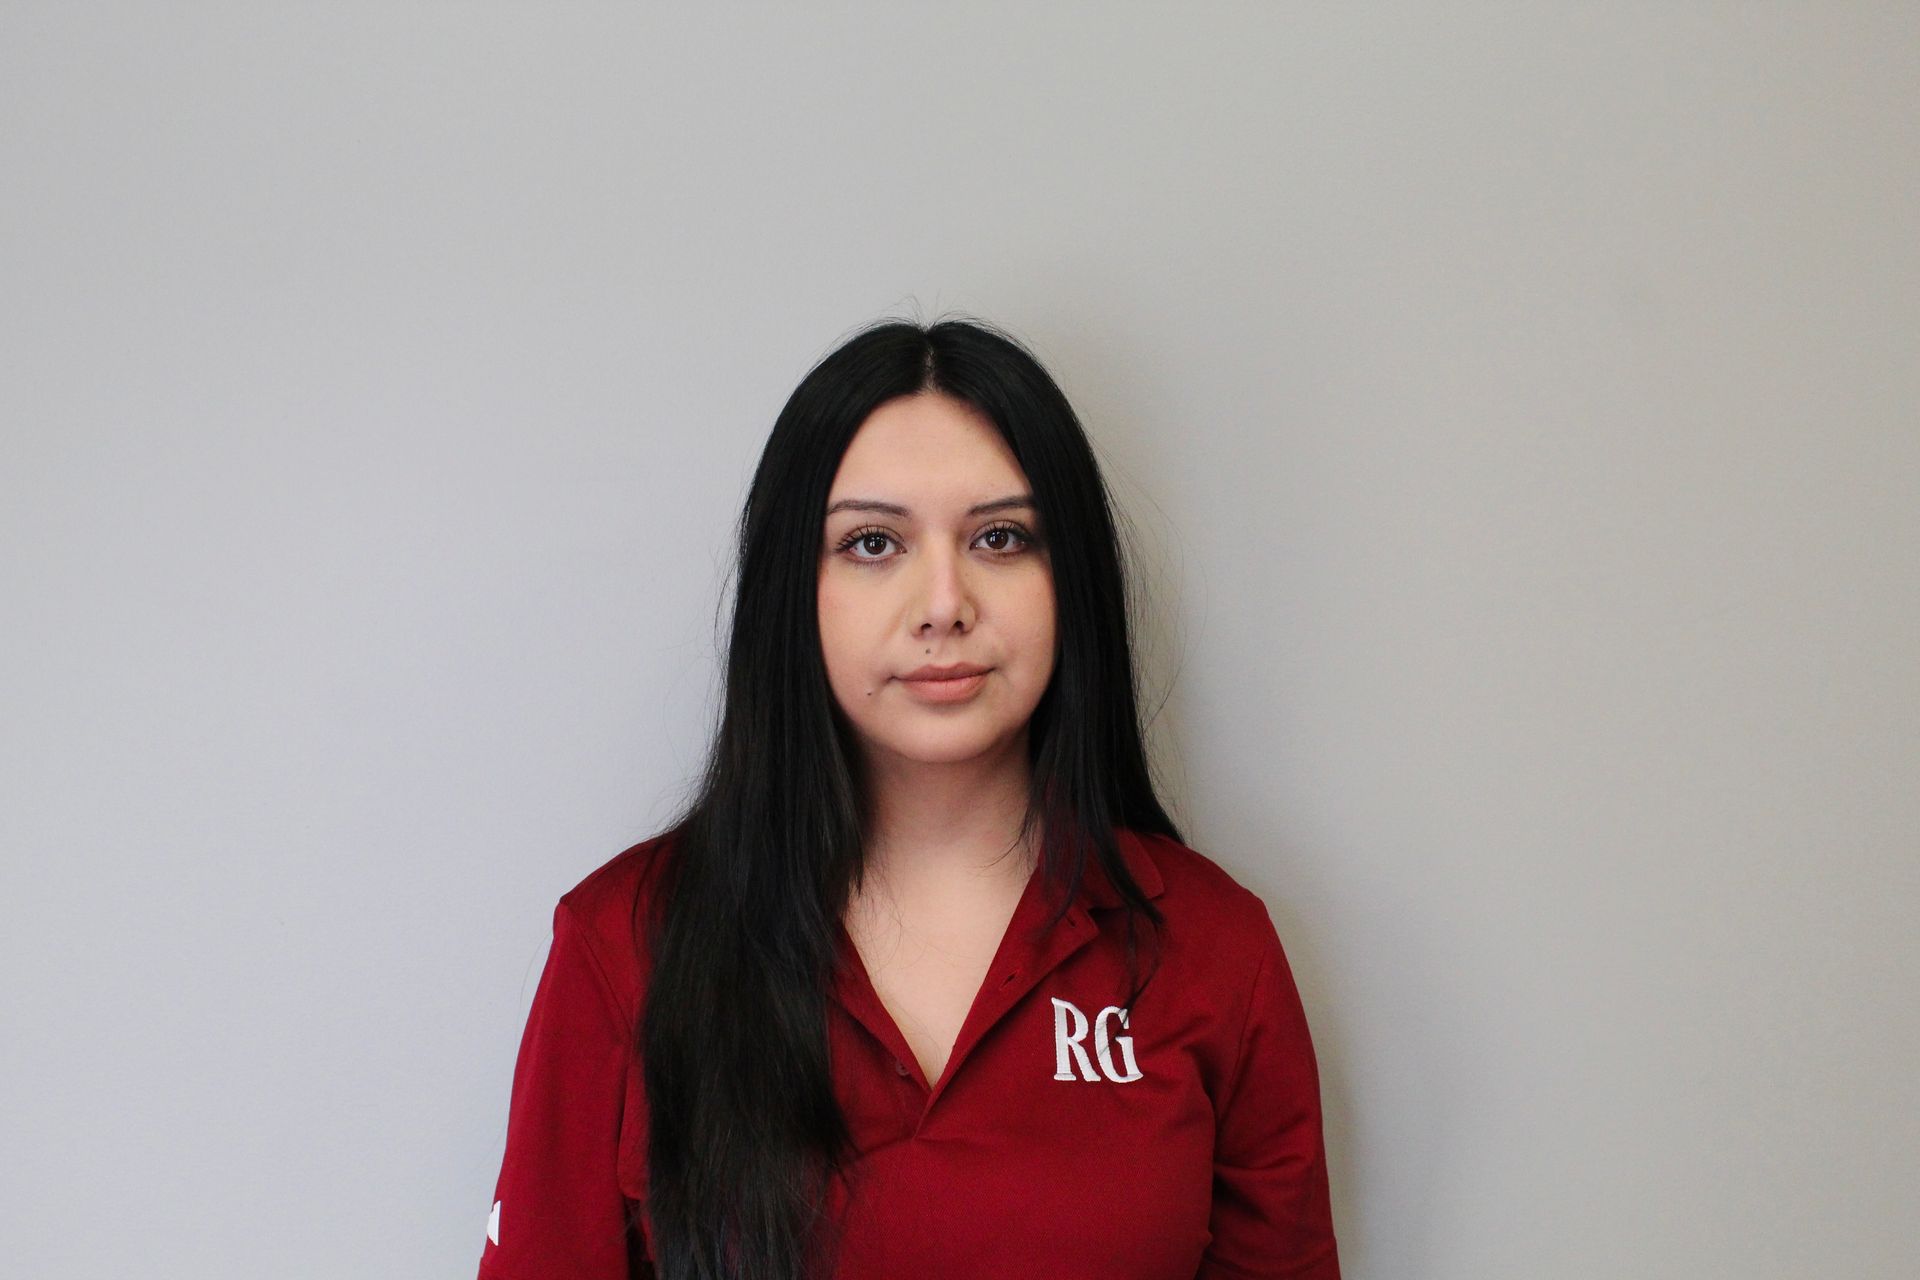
x=946 y=690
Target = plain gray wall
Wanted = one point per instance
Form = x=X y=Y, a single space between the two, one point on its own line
x=1516 y=410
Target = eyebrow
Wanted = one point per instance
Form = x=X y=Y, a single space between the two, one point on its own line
x=895 y=509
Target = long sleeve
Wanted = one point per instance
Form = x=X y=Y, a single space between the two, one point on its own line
x=1272 y=1215
x=558 y=1212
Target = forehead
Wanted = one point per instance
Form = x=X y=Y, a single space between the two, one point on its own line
x=927 y=451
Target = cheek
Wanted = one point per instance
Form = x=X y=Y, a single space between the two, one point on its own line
x=1041 y=626
x=832 y=619
x=845 y=637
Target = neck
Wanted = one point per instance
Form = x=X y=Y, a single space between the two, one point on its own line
x=949 y=822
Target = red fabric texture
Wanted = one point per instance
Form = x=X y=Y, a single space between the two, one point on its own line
x=1183 y=1141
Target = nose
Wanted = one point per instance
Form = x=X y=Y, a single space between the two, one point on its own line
x=947 y=592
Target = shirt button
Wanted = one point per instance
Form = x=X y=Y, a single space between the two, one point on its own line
x=900 y=1066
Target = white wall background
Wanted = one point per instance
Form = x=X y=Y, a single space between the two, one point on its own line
x=1516 y=405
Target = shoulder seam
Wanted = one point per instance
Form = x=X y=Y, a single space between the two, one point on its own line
x=609 y=1002
x=1246 y=1021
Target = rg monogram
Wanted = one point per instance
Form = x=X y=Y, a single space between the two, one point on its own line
x=1069 y=1036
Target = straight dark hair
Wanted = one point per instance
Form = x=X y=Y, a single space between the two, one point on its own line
x=745 y=1131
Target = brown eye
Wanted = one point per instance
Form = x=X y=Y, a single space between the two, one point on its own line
x=1025 y=539
x=863 y=536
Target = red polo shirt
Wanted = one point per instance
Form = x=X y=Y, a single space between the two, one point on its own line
x=1068 y=1136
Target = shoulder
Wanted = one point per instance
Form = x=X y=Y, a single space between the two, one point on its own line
x=605 y=914
x=1197 y=888
x=1217 y=924
x=616 y=884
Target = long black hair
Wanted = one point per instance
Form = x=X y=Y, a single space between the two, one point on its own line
x=745 y=1130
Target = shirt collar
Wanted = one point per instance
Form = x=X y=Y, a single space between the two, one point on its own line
x=1096 y=887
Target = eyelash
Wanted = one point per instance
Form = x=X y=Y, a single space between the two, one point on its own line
x=870 y=531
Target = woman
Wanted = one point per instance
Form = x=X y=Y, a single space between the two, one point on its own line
x=874 y=1005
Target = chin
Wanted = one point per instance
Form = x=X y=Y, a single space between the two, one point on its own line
x=963 y=743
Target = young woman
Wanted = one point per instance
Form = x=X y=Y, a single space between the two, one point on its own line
x=923 y=981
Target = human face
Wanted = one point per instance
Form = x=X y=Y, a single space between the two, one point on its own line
x=923 y=565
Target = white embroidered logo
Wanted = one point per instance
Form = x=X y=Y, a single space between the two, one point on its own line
x=493 y=1223
x=1068 y=1037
